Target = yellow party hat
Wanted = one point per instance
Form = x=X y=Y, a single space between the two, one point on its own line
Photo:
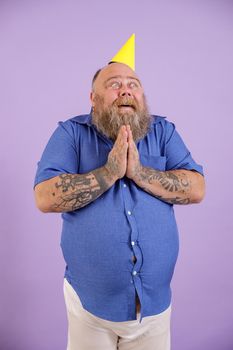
x=126 y=54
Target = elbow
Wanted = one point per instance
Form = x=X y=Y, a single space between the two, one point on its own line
x=43 y=208
x=41 y=203
x=198 y=196
x=199 y=192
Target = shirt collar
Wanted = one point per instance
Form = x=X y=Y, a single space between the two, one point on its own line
x=83 y=119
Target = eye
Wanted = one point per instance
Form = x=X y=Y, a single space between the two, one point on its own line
x=133 y=85
x=115 y=85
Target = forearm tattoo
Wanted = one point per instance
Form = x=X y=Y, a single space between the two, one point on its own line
x=176 y=184
x=175 y=200
x=76 y=191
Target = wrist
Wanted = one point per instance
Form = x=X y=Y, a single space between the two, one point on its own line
x=135 y=174
x=109 y=174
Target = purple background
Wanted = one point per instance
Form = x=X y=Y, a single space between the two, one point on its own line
x=184 y=57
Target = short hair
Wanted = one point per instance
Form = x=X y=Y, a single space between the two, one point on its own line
x=95 y=77
x=97 y=73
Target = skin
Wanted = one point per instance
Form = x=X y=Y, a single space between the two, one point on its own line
x=130 y=84
x=70 y=192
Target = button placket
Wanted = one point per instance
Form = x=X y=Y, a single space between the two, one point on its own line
x=133 y=238
x=126 y=197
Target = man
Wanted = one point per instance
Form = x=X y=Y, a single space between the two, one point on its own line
x=115 y=175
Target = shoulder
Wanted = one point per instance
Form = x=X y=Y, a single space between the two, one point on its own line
x=74 y=124
x=83 y=119
x=162 y=125
x=160 y=120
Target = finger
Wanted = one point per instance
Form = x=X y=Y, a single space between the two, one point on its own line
x=129 y=131
x=121 y=137
x=130 y=139
x=123 y=131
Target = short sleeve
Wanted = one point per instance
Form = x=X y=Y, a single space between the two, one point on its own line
x=59 y=156
x=177 y=154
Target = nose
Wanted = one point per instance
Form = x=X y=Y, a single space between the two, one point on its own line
x=125 y=92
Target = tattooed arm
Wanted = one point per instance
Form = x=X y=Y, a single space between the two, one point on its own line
x=68 y=192
x=174 y=186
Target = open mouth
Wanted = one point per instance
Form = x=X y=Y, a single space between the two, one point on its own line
x=126 y=106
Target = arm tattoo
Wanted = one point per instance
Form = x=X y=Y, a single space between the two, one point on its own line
x=168 y=179
x=175 y=200
x=79 y=190
x=176 y=183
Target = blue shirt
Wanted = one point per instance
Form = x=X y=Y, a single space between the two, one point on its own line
x=99 y=240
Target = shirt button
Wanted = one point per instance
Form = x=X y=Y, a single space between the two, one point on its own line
x=129 y=212
x=124 y=185
x=132 y=243
x=134 y=273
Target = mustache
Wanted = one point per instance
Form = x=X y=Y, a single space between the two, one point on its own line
x=126 y=101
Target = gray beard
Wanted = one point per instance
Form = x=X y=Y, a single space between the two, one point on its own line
x=109 y=120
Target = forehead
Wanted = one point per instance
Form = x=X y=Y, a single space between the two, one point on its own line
x=115 y=69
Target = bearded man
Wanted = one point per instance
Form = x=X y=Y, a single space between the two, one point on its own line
x=114 y=174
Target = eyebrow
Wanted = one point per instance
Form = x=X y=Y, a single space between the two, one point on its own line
x=120 y=76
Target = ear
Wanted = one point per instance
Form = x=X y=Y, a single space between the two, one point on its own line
x=92 y=98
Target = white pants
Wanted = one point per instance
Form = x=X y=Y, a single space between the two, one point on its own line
x=88 y=332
